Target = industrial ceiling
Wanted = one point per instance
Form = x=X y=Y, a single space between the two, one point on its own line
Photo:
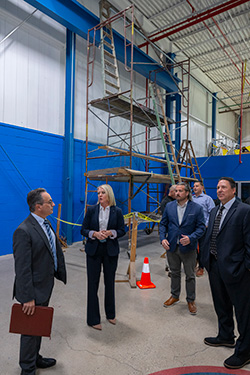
x=215 y=36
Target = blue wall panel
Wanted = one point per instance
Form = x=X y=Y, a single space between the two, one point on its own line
x=30 y=159
x=78 y=192
x=223 y=166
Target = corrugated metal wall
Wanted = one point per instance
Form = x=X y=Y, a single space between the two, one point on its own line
x=32 y=65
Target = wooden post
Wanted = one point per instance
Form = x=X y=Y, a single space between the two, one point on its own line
x=132 y=270
x=58 y=221
x=62 y=242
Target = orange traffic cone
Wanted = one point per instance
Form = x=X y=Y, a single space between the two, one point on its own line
x=145 y=282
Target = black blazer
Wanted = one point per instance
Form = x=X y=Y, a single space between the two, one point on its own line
x=91 y=222
x=233 y=242
x=34 y=265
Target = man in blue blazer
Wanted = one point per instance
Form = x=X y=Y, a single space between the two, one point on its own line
x=226 y=257
x=181 y=226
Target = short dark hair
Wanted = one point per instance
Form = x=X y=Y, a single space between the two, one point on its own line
x=200 y=182
x=230 y=180
x=35 y=197
x=187 y=188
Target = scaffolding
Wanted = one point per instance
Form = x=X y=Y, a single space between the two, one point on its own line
x=145 y=125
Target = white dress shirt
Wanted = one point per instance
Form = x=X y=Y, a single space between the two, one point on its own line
x=103 y=223
x=181 y=211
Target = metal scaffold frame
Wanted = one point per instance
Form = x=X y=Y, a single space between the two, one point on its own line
x=122 y=104
x=148 y=112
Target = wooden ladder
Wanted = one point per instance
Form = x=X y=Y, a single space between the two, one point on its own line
x=111 y=80
x=166 y=139
x=185 y=157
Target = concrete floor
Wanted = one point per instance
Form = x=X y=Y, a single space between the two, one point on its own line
x=147 y=338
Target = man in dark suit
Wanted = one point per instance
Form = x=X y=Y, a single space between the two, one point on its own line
x=38 y=260
x=183 y=223
x=226 y=257
x=247 y=201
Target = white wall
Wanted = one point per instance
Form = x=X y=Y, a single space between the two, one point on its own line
x=32 y=69
x=246 y=129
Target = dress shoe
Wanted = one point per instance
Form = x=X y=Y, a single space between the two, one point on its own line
x=216 y=341
x=200 y=272
x=45 y=362
x=171 y=301
x=97 y=326
x=235 y=362
x=192 y=308
x=112 y=321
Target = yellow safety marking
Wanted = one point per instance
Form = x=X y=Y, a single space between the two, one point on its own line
x=138 y=214
x=144 y=217
x=127 y=216
x=67 y=222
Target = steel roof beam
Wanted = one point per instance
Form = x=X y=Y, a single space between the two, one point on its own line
x=221 y=21
x=177 y=21
x=209 y=40
x=194 y=20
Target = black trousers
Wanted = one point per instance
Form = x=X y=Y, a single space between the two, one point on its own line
x=229 y=296
x=94 y=265
x=199 y=253
x=29 y=351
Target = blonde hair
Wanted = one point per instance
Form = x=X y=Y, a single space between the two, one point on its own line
x=109 y=191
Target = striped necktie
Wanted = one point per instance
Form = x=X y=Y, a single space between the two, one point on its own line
x=216 y=229
x=52 y=244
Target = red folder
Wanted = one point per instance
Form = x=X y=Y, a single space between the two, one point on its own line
x=38 y=324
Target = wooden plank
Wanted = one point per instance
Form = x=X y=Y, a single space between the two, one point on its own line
x=120 y=105
x=137 y=178
x=58 y=221
x=103 y=171
x=132 y=275
x=132 y=270
x=142 y=173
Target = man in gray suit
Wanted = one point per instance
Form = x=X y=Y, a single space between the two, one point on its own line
x=38 y=260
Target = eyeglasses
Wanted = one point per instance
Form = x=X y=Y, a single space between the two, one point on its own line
x=49 y=202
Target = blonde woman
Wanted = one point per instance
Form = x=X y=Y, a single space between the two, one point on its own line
x=103 y=224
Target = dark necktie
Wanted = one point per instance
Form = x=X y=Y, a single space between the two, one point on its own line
x=216 y=228
x=52 y=245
